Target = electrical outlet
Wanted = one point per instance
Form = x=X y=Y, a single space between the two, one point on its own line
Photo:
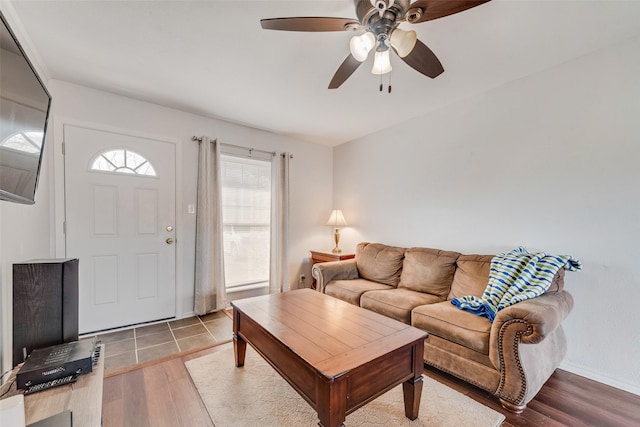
x=302 y=280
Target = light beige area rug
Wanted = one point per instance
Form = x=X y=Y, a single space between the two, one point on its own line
x=256 y=395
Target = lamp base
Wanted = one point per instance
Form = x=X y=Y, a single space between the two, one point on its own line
x=336 y=238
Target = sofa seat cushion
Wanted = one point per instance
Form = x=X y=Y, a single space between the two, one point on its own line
x=396 y=303
x=428 y=270
x=351 y=290
x=379 y=263
x=446 y=321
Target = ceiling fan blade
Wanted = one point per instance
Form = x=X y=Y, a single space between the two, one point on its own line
x=434 y=9
x=308 y=24
x=423 y=60
x=345 y=70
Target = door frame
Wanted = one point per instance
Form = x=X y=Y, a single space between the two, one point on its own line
x=58 y=205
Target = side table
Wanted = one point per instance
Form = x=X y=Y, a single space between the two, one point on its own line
x=83 y=398
x=321 y=256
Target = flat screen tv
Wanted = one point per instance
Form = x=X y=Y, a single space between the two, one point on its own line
x=24 y=111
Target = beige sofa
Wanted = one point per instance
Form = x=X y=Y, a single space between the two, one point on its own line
x=511 y=357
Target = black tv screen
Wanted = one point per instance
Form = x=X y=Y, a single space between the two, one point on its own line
x=24 y=111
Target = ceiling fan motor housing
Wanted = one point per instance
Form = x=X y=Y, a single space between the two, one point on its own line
x=368 y=12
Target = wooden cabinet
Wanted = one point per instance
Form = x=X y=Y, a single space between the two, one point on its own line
x=45 y=304
x=319 y=256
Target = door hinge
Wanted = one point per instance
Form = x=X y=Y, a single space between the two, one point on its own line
x=64 y=227
x=63 y=149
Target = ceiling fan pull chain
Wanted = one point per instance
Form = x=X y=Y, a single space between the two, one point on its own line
x=389 y=89
x=381 y=85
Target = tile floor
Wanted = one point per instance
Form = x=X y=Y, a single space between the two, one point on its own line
x=129 y=347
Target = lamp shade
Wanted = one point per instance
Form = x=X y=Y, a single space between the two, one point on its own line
x=403 y=41
x=382 y=63
x=361 y=45
x=336 y=219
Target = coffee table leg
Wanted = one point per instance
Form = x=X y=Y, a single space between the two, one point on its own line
x=412 y=392
x=332 y=403
x=239 y=345
x=240 y=350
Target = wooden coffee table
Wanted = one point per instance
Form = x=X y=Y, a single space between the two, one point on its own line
x=337 y=356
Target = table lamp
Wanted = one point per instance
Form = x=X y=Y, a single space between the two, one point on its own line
x=336 y=220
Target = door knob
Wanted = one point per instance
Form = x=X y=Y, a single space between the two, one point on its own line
x=169 y=241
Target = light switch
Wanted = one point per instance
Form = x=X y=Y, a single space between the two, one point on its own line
x=191 y=208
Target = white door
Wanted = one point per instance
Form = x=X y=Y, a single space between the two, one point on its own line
x=120 y=224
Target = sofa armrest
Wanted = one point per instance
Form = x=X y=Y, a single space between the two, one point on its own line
x=527 y=344
x=542 y=315
x=325 y=272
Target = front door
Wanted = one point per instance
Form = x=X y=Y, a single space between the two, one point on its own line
x=120 y=224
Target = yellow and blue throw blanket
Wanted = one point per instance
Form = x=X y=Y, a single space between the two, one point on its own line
x=516 y=276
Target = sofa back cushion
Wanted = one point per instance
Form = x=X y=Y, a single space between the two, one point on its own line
x=471 y=277
x=428 y=270
x=379 y=263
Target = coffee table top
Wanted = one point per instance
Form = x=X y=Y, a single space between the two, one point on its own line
x=331 y=335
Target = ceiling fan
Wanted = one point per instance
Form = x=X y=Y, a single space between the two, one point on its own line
x=379 y=19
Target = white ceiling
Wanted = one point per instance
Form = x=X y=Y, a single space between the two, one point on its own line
x=212 y=57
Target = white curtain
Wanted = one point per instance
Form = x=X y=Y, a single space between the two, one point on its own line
x=279 y=271
x=210 y=292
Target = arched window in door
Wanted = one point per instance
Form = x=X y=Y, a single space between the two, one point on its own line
x=122 y=161
x=27 y=142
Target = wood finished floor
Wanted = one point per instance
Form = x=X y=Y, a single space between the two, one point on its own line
x=163 y=394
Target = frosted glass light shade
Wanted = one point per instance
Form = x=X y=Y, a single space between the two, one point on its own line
x=403 y=41
x=361 y=45
x=336 y=219
x=382 y=63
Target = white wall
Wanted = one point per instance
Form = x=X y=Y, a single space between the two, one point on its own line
x=24 y=235
x=549 y=162
x=37 y=233
x=24 y=229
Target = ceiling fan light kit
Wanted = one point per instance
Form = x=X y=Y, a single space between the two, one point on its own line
x=403 y=41
x=380 y=20
x=361 y=45
x=382 y=63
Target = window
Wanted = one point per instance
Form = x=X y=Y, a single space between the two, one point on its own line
x=246 y=216
x=28 y=142
x=122 y=161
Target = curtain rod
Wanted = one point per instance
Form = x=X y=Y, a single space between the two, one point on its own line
x=273 y=153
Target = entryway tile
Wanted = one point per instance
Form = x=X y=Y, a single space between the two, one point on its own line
x=116 y=336
x=119 y=347
x=222 y=329
x=184 y=322
x=213 y=316
x=196 y=341
x=129 y=347
x=189 y=331
x=152 y=329
x=154 y=339
x=157 y=351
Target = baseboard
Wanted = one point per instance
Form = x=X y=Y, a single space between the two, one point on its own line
x=599 y=377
